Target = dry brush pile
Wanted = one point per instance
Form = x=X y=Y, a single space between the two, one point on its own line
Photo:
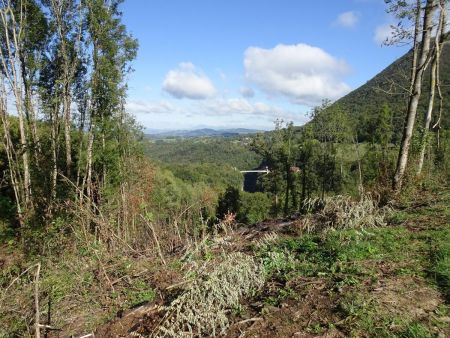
x=342 y=212
x=203 y=308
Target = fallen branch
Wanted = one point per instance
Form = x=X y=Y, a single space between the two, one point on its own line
x=149 y=224
x=87 y=335
x=255 y=319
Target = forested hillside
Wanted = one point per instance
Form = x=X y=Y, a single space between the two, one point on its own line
x=234 y=152
x=390 y=87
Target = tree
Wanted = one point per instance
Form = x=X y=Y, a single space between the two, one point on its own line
x=254 y=207
x=54 y=53
x=437 y=50
x=331 y=125
x=414 y=96
x=277 y=150
x=229 y=202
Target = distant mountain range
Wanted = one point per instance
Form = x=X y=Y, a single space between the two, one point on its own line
x=204 y=132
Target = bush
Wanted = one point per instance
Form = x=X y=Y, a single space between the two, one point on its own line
x=229 y=202
x=254 y=207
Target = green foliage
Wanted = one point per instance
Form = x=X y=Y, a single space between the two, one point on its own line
x=227 y=152
x=335 y=253
x=254 y=207
x=278 y=151
x=383 y=127
x=139 y=293
x=229 y=202
x=172 y=198
x=249 y=208
x=216 y=176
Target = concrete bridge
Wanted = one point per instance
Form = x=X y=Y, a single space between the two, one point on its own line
x=265 y=171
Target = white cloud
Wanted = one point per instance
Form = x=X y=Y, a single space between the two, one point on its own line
x=303 y=73
x=187 y=81
x=214 y=107
x=247 y=92
x=137 y=107
x=212 y=113
x=347 y=19
x=382 y=33
x=240 y=106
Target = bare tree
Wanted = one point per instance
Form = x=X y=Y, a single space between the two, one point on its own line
x=13 y=165
x=12 y=29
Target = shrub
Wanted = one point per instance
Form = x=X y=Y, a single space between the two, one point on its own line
x=229 y=202
x=254 y=207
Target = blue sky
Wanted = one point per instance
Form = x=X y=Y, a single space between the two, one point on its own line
x=245 y=63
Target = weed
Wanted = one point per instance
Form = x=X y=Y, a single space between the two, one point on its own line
x=415 y=330
x=139 y=293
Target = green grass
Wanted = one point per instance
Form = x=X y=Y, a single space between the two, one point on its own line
x=415 y=246
x=343 y=251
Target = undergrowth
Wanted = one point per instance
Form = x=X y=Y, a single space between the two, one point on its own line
x=86 y=282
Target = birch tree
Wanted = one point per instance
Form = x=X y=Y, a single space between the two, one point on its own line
x=12 y=29
x=63 y=65
x=437 y=50
x=415 y=94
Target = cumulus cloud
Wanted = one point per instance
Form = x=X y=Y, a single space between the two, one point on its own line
x=347 y=19
x=247 y=92
x=303 y=73
x=187 y=81
x=382 y=33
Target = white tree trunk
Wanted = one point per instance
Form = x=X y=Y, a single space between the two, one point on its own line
x=434 y=69
x=414 y=96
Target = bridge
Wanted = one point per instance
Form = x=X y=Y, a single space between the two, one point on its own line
x=249 y=183
x=263 y=171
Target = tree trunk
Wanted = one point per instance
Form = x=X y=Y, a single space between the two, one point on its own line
x=415 y=45
x=414 y=96
x=358 y=158
x=303 y=198
x=29 y=110
x=9 y=148
x=428 y=114
x=288 y=186
x=13 y=73
x=434 y=70
x=67 y=128
x=54 y=141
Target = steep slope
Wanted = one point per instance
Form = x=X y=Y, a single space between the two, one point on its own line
x=390 y=87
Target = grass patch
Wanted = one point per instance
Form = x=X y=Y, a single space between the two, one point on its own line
x=389 y=281
x=338 y=251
